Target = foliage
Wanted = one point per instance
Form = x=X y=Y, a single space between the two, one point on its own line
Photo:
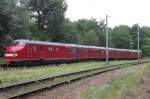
x=5 y=13
x=49 y=16
x=90 y=32
x=134 y=34
x=14 y=21
x=146 y=41
x=146 y=46
x=45 y=20
x=70 y=32
x=146 y=50
x=20 y=23
x=121 y=37
x=89 y=38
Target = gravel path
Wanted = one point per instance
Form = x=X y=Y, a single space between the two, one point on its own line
x=74 y=90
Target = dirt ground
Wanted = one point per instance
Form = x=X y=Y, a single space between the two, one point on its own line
x=142 y=91
x=74 y=90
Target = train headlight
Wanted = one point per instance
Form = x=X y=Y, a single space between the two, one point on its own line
x=11 y=55
x=15 y=55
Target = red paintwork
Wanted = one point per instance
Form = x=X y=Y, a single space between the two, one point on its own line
x=33 y=50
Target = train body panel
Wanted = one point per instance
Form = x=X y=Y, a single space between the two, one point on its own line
x=25 y=50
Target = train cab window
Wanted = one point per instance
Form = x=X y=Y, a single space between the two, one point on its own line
x=13 y=43
x=16 y=43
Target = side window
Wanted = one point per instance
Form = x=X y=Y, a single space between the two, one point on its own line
x=102 y=51
x=34 y=49
x=41 y=49
x=57 y=49
x=74 y=50
x=50 y=49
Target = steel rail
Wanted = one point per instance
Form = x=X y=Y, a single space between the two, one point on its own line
x=15 y=90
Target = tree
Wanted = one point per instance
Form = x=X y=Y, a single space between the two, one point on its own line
x=6 y=13
x=91 y=28
x=89 y=38
x=121 y=37
x=101 y=33
x=14 y=21
x=145 y=42
x=21 y=22
x=49 y=16
x=5 y=17
x=146 y=46
x=133 y=32
x=69 y=31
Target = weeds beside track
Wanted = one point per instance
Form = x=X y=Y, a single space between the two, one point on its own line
x=28 y=73
x=15 y=90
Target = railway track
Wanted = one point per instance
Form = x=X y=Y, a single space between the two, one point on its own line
x=16 y=90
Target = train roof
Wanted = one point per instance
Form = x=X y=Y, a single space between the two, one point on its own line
x=43 y=42
x=24 y=41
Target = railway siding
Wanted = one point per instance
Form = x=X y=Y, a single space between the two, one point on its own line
x=13 y=91
x=16 y=74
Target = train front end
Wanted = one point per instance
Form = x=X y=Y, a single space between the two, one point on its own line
x=13 y=52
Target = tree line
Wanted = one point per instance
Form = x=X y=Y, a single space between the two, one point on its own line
x=45 y=20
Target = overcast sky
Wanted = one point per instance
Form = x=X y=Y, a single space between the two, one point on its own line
x=126 y=12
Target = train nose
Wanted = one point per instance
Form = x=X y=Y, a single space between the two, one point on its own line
x=13 y=52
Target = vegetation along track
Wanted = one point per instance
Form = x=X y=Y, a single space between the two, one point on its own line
x=16 y=90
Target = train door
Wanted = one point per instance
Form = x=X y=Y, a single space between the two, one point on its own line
x=41 y=52
x=77 y=53
x=103 y=53
x=98 y=53
x=54 y=52
x=30 y=51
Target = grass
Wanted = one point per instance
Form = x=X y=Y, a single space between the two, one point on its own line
x=13 y=75
x=115 y=89
x=2 y=60
x=148 y=67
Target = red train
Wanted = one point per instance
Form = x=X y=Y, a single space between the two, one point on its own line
x=26 y=50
